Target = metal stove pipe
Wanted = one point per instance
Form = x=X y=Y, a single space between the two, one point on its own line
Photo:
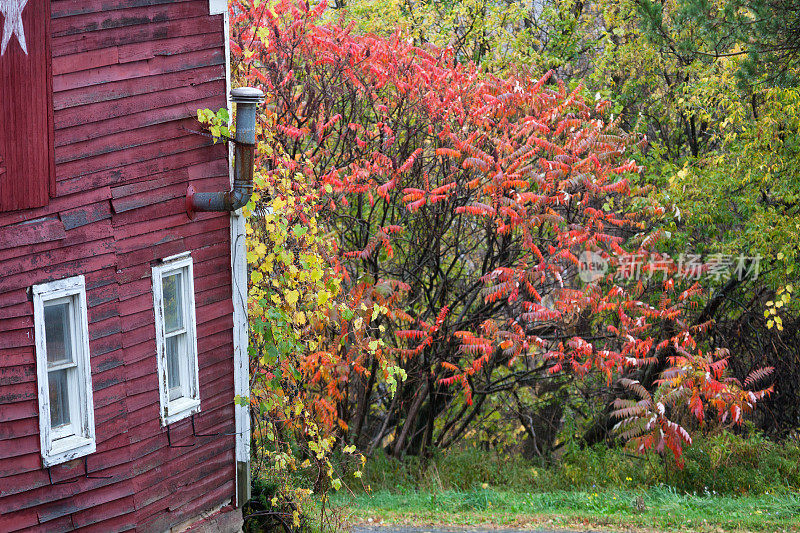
x=246 y=100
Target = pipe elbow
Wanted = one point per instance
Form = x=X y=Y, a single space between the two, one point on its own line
x=240 y=197
x=247 y=100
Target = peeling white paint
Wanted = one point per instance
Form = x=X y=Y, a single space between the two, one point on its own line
x=189 y=402
x=79 y=439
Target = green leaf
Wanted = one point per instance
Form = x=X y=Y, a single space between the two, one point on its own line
x=272 y=354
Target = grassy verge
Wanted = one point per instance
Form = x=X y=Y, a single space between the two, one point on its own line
x=721 y=464
x=729 y=483
x=656 y=508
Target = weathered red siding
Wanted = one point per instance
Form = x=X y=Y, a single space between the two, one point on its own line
x=128 y=76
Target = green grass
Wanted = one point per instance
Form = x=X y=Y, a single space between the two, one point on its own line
x=721 y=464
x=659 y=508
x=729 y=483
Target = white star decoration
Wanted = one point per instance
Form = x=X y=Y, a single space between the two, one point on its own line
x=12 y=12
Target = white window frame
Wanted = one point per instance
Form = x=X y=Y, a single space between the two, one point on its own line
x=189 y=401
x=78 y=438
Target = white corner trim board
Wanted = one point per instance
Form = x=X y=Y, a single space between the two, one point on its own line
x=217 y=7
x=176 y=338
x=241 y=363
x=63 y=369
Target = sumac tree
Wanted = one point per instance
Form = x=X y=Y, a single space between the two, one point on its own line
x=461 y=204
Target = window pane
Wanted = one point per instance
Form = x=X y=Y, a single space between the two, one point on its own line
x=174 y=349
x=59 y=398
x=172 y=292
x=57 y=329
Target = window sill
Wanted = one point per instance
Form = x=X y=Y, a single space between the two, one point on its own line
x=67 y=449
x=179 y=409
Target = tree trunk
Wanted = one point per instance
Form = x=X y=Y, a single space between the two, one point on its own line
x=363 y=407
x=410 y=418
x=385 y=424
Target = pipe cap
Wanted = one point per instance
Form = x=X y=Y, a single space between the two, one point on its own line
x=247 y=95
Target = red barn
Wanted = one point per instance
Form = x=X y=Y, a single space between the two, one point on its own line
x=122 y=320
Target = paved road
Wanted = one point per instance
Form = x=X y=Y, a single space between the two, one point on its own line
x=404 y=529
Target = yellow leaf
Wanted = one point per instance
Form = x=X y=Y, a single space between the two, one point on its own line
x=322 y=297
x=292 y=296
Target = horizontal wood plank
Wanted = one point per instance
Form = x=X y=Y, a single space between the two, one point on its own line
x=149 y=70
x=103 y=20
x=30 y=232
